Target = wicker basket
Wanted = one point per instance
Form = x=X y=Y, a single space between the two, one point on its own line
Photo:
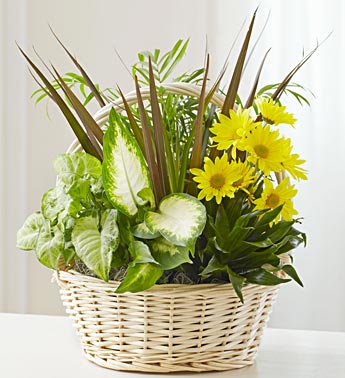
x=168 y=328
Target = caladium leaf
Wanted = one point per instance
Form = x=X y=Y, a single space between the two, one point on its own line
x=125 y=173
x=28 y=234
x=141 y=231
x=96 y=247
x=140 y=253
x=50 y=247
x=168 y=255
x=180 y=219
x=140 y=277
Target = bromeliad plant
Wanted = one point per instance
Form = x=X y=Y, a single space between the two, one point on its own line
x=171 y=187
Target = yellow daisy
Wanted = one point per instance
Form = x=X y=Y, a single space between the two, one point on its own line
x=273 y=197
x=273 y=113
x=266 y=149
x=247 y=178
x=292 y=164
x=230 y=130
x=217 y=179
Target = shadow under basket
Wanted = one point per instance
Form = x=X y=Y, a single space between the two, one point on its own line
x=168 y=328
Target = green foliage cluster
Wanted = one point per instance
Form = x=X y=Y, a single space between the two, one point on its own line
x=128 y=200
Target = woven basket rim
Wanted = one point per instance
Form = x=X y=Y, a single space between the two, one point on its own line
x=71 y=274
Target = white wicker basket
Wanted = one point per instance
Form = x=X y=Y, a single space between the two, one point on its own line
x=168 y=328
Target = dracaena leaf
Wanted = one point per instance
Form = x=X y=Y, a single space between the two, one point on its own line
x=263 y=277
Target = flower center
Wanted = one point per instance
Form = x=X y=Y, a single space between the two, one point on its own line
x=261 y=150
x=272 y=201
x=217 y=181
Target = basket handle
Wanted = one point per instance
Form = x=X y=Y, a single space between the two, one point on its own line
x=186 y=89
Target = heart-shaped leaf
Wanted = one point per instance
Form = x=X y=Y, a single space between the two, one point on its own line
x=169 y=256
x=140 y=253
x=28 y=234
x=180 y=219
x=96 y=247
x=125 y=173
x=50 y=247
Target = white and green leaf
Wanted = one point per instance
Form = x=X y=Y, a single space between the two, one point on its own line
x=141 y=231
x=50 y=247
x=28 y=234
x=96 y=247
x=168 y=255
x=180 y=219
x=125 y=174
x=71 y=167
x=140 y=253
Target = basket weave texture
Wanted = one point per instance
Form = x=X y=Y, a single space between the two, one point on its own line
x=168 y=328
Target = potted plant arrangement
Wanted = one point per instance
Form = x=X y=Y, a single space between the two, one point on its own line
x=172 y=220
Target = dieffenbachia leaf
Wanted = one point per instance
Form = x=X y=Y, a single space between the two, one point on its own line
x=140 y=253
x=124 y=170
x=180 y=219
x=96 y=247
x=28 y=234
x=169 y=256
x=72 y=167
x=140 y=277
x=50 y=247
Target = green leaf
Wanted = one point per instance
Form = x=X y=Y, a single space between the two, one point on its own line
x=180 y=219
x=263 y=277
x=50 y=247
x=95 y=248
x=140 y=253
x=72 y=167
x=56 y=201
x=290 y=271
x=124 y=170
x=139 y=278
x=168 y=255
x=28 y=234
x=236 y=282
x=141 y=231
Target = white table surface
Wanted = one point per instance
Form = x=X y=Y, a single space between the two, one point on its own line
x=36 y=346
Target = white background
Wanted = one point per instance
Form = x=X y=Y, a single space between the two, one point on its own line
x=92 y=29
